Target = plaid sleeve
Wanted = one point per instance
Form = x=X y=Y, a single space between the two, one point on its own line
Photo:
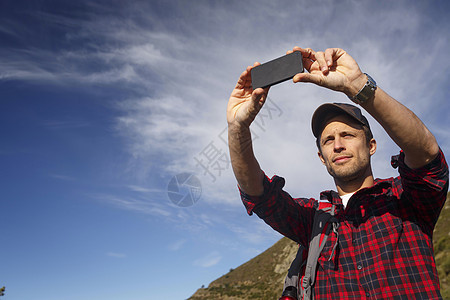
x=426 y=188
x=292 y=217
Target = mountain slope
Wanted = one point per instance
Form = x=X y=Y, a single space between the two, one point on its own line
x=441 y=243
x=262 y=277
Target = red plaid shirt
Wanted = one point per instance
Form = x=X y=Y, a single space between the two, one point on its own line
x=385 y=248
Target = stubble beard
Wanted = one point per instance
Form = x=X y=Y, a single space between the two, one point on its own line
x=351 y=171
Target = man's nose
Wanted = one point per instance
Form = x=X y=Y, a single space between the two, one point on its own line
x=338 y=145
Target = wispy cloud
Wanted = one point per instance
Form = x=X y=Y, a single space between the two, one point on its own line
x=164 y=71
x=180 y=75
x=141 y=189
x=209 y=260
x=137 y=205
x=177 y=245
x=259 y=234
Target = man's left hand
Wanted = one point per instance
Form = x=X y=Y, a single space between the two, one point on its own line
x=334 y=69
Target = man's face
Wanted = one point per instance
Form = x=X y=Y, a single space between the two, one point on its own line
x=344 y=149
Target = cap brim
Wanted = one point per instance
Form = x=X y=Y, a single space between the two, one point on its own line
x=324 y=112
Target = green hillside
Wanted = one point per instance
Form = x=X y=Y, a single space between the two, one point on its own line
x=441 y=242
x=262 y=277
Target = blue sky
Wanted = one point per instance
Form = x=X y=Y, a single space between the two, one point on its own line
x=104 y=102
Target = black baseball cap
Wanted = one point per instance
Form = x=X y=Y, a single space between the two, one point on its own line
x=329 y=110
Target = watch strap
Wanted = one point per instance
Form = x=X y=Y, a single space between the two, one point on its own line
x=366 y=92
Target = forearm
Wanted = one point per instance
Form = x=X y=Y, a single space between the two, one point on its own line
x=245 y=166
x=404 y=127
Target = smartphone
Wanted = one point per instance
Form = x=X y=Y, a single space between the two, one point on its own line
x=277 y=70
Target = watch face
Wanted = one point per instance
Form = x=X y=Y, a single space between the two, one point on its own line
x=371 y=81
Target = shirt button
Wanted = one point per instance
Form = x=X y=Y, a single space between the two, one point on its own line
x=359 y=267
x=367 y=294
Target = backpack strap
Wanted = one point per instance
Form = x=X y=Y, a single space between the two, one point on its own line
x=323 y=217
x=319 y=236
x=291 y=282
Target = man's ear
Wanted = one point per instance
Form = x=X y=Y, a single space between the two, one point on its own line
x=321 y=157
x=372 y=146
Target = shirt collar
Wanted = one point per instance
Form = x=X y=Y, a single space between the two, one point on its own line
x=380 y=186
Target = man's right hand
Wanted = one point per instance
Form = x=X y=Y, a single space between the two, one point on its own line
x=245 y=103
x=243 y=106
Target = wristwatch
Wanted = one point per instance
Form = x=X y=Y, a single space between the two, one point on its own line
x=367 y=92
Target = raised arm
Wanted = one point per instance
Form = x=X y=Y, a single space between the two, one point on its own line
x=405 y=128
x=337 y=70
x=243 y=106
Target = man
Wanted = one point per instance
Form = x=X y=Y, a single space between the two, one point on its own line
x=383 y=246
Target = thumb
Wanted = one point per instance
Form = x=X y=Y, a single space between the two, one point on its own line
x=307 y=77
x=258 y=99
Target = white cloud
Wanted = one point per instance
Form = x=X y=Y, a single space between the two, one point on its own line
x=173 y=69
x=140 y=189
x=177 y=245
x=259 y=234
x=146 y=206
x=183 y=129
x=209 y=260
x=181 y=74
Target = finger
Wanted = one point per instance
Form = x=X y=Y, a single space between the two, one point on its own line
x=320 y=58
x=258 y=98
x=307 y=64
x=329 y=56
x=257 y=93
x=244 y=79
x=241 y=81
x=306 y=53
x=307 y=77
x=260 y=94
x=300 y=77
x=295 y=49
